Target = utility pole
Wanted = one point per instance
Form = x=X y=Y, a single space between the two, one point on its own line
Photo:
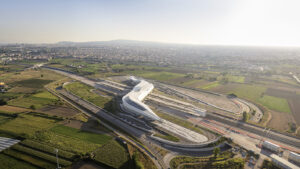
x=56 y=152
x=265 y=134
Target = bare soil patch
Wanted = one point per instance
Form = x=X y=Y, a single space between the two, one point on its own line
x=280 y=121
x=13 y=109
x=74 y=124
x=292 y=97
x=61 y=111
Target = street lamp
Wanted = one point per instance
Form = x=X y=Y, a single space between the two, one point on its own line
x=56 y=152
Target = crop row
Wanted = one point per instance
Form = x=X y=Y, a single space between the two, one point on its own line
x=27 y=158
x=42 y=155
x=46 y=148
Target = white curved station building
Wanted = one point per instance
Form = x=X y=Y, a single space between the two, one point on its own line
x=132 y=101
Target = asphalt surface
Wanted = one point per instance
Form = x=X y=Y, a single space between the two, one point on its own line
x=258 y=131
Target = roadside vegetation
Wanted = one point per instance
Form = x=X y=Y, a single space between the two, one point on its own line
x=84 y=91
x=222 y=160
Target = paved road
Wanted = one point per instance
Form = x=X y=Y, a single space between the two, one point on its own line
x=291 y=141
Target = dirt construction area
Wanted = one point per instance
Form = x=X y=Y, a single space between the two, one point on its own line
x=293 y=99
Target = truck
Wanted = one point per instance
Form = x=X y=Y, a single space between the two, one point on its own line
x=270 y=146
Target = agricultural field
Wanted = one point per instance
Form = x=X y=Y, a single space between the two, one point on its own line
x=112 y=154
x=75 y=144
x=85 y=136
x=27 y=124
x=292 y=97
x=27 y=76
x=84 y=91
x=26 y=88
x=275 y=103
x=210 y=85
x=64 y=110
x=159 y=76
x=10 y=162
x=38 y=100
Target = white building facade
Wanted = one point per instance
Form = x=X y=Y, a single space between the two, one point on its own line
x=132 y=101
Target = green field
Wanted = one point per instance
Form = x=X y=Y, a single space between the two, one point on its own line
x=30 y=78
x=46 y=148
x=84 y=91
x=159 y=76
x=26 y=88
x=39 y=100
x=251 y=92
x=21 y=156
x=236 y=79
x=112 y=154
x=66 y=143
x=12 y=163
x=72 y=140
x=39 y=154
x=191 y=82
x=84 y=136
x=275 y=103
x=256 y=94
x=210 y=85
x=32 y=83
x=27 y=125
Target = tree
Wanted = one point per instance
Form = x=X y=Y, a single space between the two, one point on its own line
x=245 y=116
x=216 y=151
x=32 y=107
x=3 y=102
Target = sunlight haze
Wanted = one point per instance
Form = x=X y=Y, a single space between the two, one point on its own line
x=213 y=22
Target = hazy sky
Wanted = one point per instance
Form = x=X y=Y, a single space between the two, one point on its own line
x=225 y=22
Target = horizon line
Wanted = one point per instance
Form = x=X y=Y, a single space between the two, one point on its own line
x=161 y=42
